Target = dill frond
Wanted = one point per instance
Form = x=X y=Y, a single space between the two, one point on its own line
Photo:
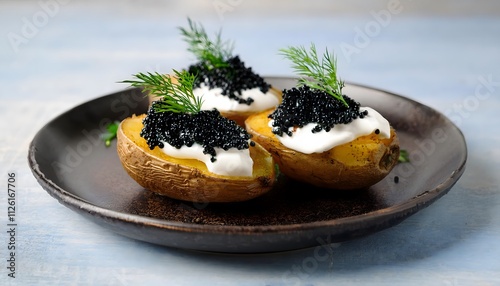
x=214 y=53
x=316 y=73
x=176 y=93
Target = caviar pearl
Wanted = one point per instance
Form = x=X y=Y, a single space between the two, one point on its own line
x=213 y=98
x=232 y=88
x=304 y=105
x=311 y=121
x=207 y=128
x=305 y=140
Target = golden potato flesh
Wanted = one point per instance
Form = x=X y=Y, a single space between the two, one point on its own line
x=354 y=165
x=188 y=179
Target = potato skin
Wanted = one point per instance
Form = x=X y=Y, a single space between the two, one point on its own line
x=354 y=165
x=187 y=179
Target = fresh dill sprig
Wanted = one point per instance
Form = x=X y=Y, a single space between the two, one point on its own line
x=176 y=92
x=213 y=53
x=321 y=75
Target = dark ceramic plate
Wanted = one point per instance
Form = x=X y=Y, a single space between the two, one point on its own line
x=72 y=164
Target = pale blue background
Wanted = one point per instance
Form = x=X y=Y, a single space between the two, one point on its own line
x=437 y=52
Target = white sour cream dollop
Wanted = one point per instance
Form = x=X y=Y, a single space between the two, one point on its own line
x=232 y=162
x=303 y=140
x=213 y=98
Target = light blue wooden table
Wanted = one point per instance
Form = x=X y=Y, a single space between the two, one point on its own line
x=56 y=54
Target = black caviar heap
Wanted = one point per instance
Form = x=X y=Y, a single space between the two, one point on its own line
x=207 y=128
x=233 y=78
x=303 y=105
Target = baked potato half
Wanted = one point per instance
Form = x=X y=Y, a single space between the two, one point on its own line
x=354 y=165
x=188 y=179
